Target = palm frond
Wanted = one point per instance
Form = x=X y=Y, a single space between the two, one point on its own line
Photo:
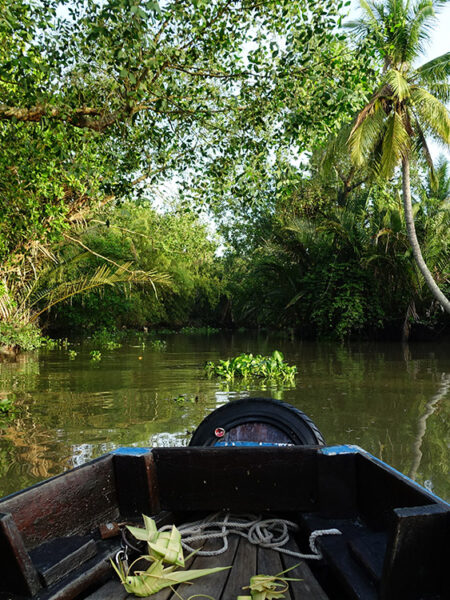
x=295 y=299
x=396 y=143
x=103 y=275
x=6 y=306
x=336 y=147
x=422 y=19
x=398 y=83
x=441 y=91
x=433 y=114
x=442 y=191
x=367 y=132
x=368 y=23
x=435 y=70
x=384 y=92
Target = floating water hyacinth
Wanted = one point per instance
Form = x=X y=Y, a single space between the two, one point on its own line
x=247 y=366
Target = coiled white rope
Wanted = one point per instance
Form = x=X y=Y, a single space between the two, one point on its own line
x=267 y=533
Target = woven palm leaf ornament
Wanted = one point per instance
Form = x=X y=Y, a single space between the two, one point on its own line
x=163 y=547
x=268 y=587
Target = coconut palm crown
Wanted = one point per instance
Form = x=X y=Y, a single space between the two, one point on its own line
x=408 y=104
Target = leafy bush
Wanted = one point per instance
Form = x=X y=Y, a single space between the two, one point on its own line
x=108 y=338
x=6 y=405
x=18 y=335
x=174 y=244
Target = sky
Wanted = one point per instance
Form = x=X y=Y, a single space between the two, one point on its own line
x=440 y=43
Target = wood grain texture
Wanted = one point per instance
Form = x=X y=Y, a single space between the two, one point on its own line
x=72 y=503
x=17 y=571
x=308 y=588
x=244 y=566
x=168 y=593
x=415 y=570
x=137 y=489
x=96 y=571
x=247 y=560
x=214 y=584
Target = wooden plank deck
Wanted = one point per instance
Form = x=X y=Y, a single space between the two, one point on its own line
x=246 y=560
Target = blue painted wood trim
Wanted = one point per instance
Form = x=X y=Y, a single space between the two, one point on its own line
x=238 y=444
x=342 y=449
x=130 y=451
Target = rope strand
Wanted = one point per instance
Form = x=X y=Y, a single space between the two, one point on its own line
x=267 y=533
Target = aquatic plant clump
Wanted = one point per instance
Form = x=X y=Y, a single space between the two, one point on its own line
x=95 y=355
x=207 y=330
x=158 y=345
x=248 y=366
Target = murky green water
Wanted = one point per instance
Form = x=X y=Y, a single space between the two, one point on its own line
x=391 y=400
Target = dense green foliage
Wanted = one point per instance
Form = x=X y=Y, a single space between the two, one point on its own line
x=26 y=336
x=174 y=243
x=237 y=105
x=98 y=97
x=337 y=264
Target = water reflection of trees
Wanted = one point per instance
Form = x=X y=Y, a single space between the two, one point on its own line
x=431 y=406
x=23 y=443
x=374 y=395
x=367 y=394
x=58 y=430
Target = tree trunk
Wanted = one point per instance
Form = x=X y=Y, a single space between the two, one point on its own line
x=411 y=231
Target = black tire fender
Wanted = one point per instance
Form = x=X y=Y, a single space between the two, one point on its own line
x=296 y=426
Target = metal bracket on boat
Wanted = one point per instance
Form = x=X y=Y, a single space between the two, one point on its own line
x=121 y=558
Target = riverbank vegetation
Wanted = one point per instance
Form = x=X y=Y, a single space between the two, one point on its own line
x=221 y=164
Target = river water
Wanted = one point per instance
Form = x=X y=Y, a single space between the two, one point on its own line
x=390 y=399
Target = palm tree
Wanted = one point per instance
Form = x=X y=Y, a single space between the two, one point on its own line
x=408 y=104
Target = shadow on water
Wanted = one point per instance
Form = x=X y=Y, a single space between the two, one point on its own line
x=388 y=398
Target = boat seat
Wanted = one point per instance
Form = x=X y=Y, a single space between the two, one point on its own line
x=53 y=560
x=355 y=558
